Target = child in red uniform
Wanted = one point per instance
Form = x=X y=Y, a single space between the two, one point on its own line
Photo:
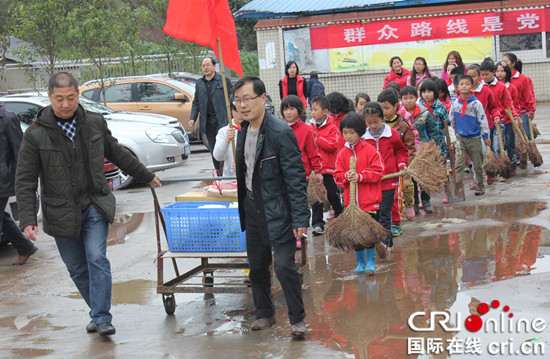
x=339 y=106
x=503 y=100
x=292 y=109
x=394 y=155
x=368 y=174
x=326 y=137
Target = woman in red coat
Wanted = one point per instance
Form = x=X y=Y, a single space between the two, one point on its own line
x=398 y=73
x=293 y=84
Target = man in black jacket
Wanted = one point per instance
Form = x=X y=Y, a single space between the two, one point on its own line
x=209 y=101
x=10 y=141
x=272 y=192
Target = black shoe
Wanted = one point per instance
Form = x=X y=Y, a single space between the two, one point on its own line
x=91 y=327
x=263 y=323
x=106 y=328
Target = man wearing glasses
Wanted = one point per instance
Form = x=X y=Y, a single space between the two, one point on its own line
x=272 y=191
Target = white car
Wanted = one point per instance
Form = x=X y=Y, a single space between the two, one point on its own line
x=158 y=141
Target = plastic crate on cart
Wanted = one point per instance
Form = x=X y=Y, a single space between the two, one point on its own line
x=193 y=229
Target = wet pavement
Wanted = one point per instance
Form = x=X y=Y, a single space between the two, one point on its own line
x=494 y=247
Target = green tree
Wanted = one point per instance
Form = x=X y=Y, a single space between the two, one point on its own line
x=245 y=27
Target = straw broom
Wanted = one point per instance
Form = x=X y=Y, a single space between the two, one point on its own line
x=316 y=193
x=354 y=230
x=530 y=149
x=428 y=168
x=506 y=165
x=521 y=142
x=491 y=163
x=534 y=155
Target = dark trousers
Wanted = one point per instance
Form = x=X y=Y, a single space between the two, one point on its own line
x=333 y=195
x=384 y=214
x=424 y=196
x=209 y=140
x=509 y=139
x=258 y=247
x=12 y=231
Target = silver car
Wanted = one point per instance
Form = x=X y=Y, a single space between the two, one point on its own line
x=158 y=141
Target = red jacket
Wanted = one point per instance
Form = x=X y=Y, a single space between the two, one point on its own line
x=370 y=168
x=483 y=94
x=299 y=88
x=514 y=95
x=310 y=153
x=502 y=98
x=401 y=80
x=526 y=98
x=337 y=118
x=326 y=137
x=393 y=151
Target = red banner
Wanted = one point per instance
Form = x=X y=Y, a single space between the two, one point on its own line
x=430 y=28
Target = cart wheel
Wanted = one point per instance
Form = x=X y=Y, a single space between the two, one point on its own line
x=207 y=280
x=169 y=304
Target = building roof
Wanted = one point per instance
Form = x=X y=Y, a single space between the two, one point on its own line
x=271 y=8
x=14 y=45
x=339 y=17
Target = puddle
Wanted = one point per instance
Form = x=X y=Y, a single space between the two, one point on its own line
x=28 y=324
x=136 y=291
x=30 y=353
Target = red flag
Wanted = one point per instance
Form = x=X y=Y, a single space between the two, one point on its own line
x=202 y=22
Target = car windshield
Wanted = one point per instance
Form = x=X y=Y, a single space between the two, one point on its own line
x=182 y=85
x=95 y=107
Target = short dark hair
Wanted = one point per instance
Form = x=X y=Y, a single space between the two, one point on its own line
x=354 y=121
x=321 y=101
x=487 y=65
x=408 y=90
x=395 y=58
x=313 y=75
x=212 y=58
x=429 y=85
x=288 y=64
x=467 y=77
x=62 y=80
x=474 y=67
x=361 y=95
x=393 y=85
x=339 y=103
x=374 y=109
x=257 y=84
x=388 y=95
x=292 y=101
x=457 y=71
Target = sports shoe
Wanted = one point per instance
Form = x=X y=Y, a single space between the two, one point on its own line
x=479 y=192
x=105 y=329
x=473 y=186
x=523 y=165
x=330 y=216
x=428 y=207
x=410 y=213
x=396 y=230
x=298 y=329
x=263 y=323
x=317 y=231
x=490 y=180
x=91 y=327
x=22 y=259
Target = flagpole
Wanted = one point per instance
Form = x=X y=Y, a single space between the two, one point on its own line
x=226 y=94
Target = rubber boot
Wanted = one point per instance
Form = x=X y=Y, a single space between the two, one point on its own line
x=360 y=256
x=371 y=262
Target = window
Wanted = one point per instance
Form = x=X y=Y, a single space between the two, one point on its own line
x=25 y=111
x=115 y=93
x=155 y=92
x=521 y=42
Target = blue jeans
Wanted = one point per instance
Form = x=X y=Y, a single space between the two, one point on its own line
x=12 y=231
x=86 y=260
x=525 y=124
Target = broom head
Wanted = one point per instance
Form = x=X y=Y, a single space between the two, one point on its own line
x=534 y=155
x=429 y=168
x=316 y=192
x=491 y=164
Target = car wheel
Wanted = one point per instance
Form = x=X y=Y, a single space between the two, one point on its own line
x=125 y=180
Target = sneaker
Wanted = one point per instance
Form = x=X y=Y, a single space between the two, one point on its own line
x=298 y=329
x=105 y=329
x=263 y=323
x=317 y=231
x=330 y=216
x=410 y=213
x=479 y=192
x=428 y=207
x=490 y=180
x=473 y=186
x=396 y=230
x=523 y=165
x=22 y=259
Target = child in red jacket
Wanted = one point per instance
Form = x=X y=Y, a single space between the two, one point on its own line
x=368 y=174
x=326 y=136
x=394 y=155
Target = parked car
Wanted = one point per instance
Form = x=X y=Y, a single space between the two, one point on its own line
x=160 y=95
x=186 y=77
x=159 y=142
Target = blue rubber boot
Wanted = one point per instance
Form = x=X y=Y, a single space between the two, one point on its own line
x=371 y=262
x=360 y=256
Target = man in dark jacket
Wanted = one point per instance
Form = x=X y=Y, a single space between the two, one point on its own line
x=66 y=147
x=210 y=102
x=10 y=141
x=314 y=87
x=272 y=192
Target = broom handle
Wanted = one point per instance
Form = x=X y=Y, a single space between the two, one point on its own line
x=352 y=185
x=394 y=175
x=500 y=141
x=448 y=139
x=515 y=124
x=531 y=129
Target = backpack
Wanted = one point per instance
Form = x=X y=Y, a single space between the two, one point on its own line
x=317 y=90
